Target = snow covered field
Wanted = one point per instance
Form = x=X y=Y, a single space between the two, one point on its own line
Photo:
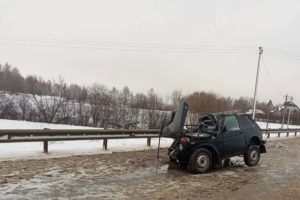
x=15 y=124
x=28 y=150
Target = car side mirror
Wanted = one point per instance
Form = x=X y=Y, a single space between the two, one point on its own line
x=224 y=128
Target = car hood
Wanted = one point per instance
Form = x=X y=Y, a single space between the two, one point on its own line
x=175 y=125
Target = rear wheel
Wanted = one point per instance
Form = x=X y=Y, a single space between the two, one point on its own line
x=200 y=161
x=252 y=156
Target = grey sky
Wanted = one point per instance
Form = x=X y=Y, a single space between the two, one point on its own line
x=272 y=24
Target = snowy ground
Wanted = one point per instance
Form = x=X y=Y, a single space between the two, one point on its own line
x=273 y=136
x=28 y=150
x=15 y=124
x=31 y=150
x=263 y=125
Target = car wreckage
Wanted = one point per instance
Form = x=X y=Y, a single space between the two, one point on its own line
x=217 y=137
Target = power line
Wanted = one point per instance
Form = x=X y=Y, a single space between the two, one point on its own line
x=270 y=78
x=140 y=47
x=126 y=46
x=153 y=50
x=282 y=53
x=284 y=56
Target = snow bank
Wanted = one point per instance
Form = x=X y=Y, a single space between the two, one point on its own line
x=15 y=124
x=273 y=125
x=29 y=150
x=33 y=150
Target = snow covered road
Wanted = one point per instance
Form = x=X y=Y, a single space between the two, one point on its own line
x=132 y=175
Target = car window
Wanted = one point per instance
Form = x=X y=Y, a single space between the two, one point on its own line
x=245 y=123
x=231 y=123
x=253 y=123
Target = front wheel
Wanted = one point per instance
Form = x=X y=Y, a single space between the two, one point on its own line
x=252 y=156
x=200 y=161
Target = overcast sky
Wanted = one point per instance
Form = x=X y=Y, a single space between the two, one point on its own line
x=189 y=45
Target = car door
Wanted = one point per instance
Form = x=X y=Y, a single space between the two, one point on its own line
x=232 y=137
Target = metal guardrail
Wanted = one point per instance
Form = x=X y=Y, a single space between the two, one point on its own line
x=268 y=132
x=46 y=135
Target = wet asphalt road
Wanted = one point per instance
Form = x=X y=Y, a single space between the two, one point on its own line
x=133 y=175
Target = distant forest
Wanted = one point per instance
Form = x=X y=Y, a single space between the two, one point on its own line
x=34 y=98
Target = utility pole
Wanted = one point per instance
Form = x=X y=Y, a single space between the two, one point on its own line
x=288 y=122
x=286 y=97
x=269 y=108
x=285 y=109
x=260 y=51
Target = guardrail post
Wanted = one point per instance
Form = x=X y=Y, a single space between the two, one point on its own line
x=287 y=134
x=45 y=146
x=295 y=133
x=278 y=134
x=148 y=141
x=268 y=134
x=105 y=144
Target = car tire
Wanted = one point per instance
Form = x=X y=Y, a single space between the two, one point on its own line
x=252 y=156
x=200 y=161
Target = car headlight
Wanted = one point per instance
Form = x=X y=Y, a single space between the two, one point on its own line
x=184 y=140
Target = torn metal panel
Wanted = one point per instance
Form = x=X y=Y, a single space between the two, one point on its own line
x=175 y=126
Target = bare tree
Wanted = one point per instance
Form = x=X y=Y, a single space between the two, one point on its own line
x=65 y=112
x=124 y=113
x=23 y=101
x=83 y=114
x=48 y=106
x=203 y=102
x=155 y=107
x=10 y=78
x=7 y=108
x=126 y=117
x=100 y=101
x=140 y=101
x=242 y=103
x=176 y=98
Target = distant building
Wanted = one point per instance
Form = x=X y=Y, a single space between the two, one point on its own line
x=287 y=107
x=258 y=112
x=270 y=106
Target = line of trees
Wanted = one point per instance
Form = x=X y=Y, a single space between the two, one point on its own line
x=32 y=98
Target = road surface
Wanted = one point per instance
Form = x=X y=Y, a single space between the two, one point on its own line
x=132 y=175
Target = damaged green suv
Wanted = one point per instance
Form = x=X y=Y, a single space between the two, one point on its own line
x=216 y=138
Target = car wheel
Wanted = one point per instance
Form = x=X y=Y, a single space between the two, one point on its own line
x=252 y=156
x=200 y=161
